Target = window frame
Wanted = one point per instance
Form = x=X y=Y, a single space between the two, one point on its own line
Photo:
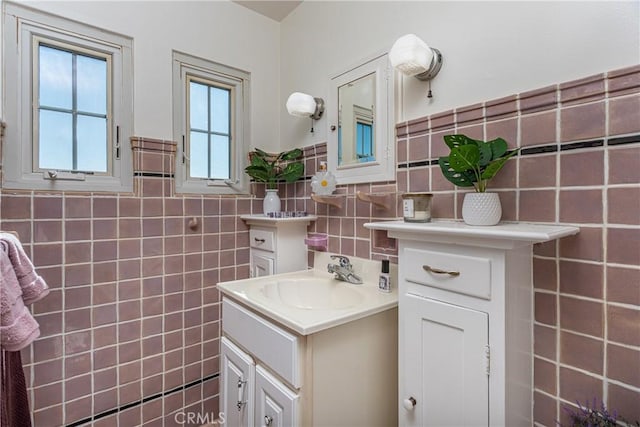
x=185 y=68
x=24 y=30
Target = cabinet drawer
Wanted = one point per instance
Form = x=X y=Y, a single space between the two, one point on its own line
x=471 y=275
x=275 y=347
x=262 y=239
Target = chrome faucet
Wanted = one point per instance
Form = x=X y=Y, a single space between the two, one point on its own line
x=344 y=270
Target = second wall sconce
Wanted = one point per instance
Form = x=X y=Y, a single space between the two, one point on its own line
x=303 y=105
x=413 y=57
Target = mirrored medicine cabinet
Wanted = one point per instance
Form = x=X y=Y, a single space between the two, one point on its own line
x=361 y=142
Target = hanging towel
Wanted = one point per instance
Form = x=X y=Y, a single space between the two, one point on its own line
x=33 y=286
x=20 y=285
x=18 y=328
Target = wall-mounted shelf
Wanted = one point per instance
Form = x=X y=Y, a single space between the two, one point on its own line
x=383 y=200
x=333 y=200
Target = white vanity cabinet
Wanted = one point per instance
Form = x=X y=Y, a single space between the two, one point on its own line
x=277 y=244
x=465 y=321
x=343 y=376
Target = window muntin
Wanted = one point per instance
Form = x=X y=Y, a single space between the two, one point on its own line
x=72 y=114
x=210 y=139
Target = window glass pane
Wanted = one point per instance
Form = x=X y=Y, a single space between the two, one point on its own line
x=220 y=110
x=198 y=155
x=92 y=84
x=92 y=144
x=55 y=77
x=55 y=140
x=198 y=106
x=220 y=157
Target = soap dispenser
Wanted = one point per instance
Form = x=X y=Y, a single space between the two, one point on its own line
x=323 y=182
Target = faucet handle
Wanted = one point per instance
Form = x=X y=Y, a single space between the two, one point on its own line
x=344 y=261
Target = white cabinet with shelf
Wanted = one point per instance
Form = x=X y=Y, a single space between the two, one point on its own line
x=465 y=321
x=277 y=244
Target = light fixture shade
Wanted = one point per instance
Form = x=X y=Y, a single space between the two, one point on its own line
x=301 y=104
x=410 y=55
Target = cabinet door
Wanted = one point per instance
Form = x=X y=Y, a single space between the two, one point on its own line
x=237 y=385
x=444 y=362
x=261 y=265
x=276 y=405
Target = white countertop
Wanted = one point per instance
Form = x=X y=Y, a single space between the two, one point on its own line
x=306 y=321
x=502 y=235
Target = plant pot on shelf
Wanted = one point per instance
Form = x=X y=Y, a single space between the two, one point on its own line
x=481 y=209
x=271 y=202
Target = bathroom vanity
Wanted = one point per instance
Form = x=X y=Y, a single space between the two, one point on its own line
x=465 y=321
x=268 y=237
x=303 y=349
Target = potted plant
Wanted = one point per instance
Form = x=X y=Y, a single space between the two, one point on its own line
x=271 y=168
x=473 y=163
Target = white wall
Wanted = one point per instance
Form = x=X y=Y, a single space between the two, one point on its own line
x=220 y=31
x=490 y=49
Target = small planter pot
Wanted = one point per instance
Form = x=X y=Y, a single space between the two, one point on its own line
x=271 y=202
x=481 y=209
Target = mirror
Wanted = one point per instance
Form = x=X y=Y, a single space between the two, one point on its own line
x=356 y=103
x=361 y=146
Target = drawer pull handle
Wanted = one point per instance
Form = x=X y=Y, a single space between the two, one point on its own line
x=259 y=240
x=433 y=270
x=267 y=421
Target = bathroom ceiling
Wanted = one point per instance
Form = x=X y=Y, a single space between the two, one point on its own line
x=276 y=10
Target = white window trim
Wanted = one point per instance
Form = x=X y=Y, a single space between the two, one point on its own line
x=21 y=26
x=183 y=65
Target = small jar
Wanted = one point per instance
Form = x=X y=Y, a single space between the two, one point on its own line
x=416 y=207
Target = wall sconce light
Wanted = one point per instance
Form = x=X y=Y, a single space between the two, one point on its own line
x=412 y=57
x=303 y=105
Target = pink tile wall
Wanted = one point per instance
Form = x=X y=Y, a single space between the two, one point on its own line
x=130 y=330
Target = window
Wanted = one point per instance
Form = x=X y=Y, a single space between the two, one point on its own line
x=211 y=125
x=69 y=105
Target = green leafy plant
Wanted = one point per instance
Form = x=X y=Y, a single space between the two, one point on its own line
x=271 y=168
x=472 y=163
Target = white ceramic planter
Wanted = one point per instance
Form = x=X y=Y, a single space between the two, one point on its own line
x=271 y=202
x=481 y=209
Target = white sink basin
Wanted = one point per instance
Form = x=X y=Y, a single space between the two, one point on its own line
x=310 y=301
x=313 y=293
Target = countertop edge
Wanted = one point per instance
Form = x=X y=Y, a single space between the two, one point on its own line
x=514 y=231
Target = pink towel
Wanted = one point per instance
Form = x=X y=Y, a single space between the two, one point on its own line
x=19 y=286
x=18 y=283
x=33 y=286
